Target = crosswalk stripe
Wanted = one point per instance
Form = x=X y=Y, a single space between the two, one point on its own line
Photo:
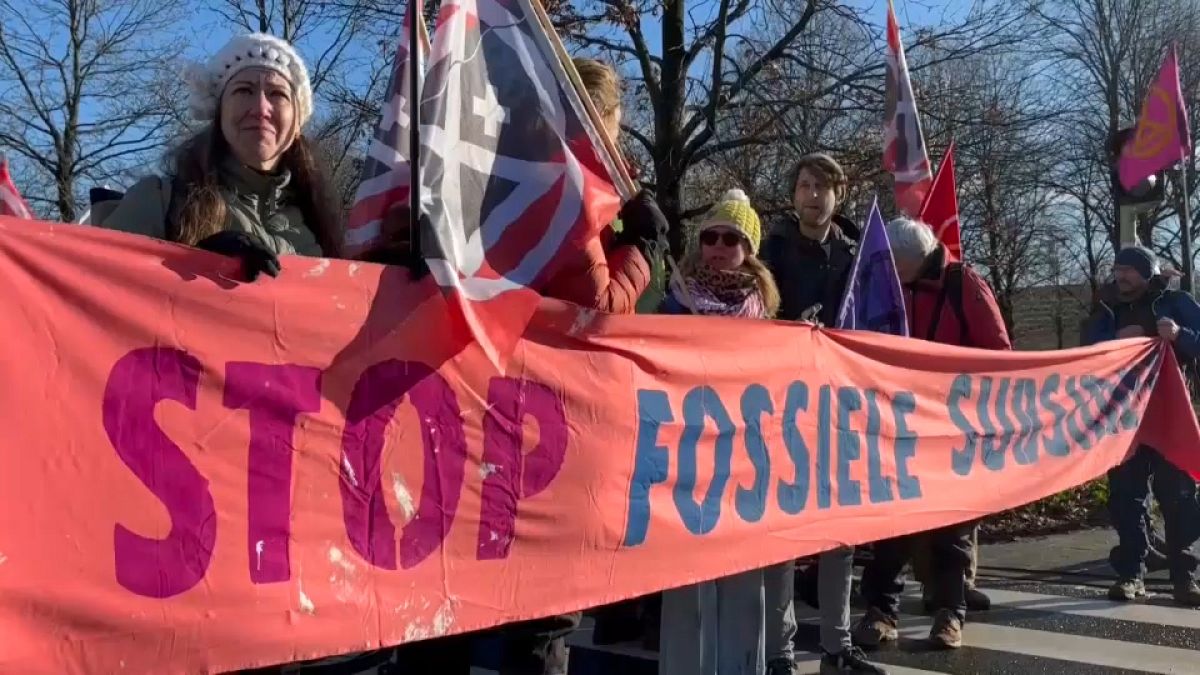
x=1096 y=608
x=1093 y=651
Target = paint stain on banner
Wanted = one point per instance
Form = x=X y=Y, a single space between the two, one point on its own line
x=442 y=622
x=318 y=269
x=344 y=577
x=403 y=497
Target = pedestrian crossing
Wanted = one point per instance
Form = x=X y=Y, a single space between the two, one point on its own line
x=1030 y=629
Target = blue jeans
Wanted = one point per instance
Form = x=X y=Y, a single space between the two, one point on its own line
x=1128 y=490
x=714 y=628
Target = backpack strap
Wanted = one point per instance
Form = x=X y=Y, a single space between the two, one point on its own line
x=952 y=291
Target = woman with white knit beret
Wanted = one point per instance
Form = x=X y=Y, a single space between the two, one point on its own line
x=248 y=183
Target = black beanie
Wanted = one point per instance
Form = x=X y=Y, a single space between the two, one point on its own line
x=1139 y=258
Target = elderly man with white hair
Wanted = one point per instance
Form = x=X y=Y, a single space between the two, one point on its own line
x=950 y=303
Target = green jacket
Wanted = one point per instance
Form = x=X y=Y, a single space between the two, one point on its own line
x=258 y=204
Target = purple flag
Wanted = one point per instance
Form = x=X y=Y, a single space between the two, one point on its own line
x=874 y=299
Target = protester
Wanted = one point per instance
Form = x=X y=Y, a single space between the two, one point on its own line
x=950 y=303
x=248 y=184
x=716 y=627
x=810 y=252
x=608 y=274
x=1138 y=304
x=612 y=271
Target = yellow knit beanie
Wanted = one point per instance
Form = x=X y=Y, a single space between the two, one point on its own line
x=734 y=211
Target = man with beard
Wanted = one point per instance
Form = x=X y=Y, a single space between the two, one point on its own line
x=1138 y=304
x=810 y=252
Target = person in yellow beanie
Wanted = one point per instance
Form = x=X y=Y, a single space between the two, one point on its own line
x=719 y=627
x=722 y=274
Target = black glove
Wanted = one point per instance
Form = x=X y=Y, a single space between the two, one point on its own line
x=643 y=224
x=255 y=256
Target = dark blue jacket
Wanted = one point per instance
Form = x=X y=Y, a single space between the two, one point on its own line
x=1178 y=306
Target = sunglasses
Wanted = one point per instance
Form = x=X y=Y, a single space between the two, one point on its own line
x=711 y=237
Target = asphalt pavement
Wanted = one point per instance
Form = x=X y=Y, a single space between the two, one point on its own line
x=1050 y=614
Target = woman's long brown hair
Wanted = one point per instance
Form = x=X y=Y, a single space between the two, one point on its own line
x=195 y=171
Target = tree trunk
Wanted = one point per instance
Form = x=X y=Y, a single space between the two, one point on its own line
x=669 y=166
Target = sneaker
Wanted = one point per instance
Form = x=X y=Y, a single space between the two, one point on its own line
x=1127 y=590
x=851 y=660
x=977 y=600
x=874 y=629
x=947 y=630
x=781 y=667
x=1187 y=594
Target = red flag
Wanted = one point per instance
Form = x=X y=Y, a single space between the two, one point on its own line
x=11 y=203
x=904 y=153
x=1162 y=137
x=940 y=210
x=383 y=190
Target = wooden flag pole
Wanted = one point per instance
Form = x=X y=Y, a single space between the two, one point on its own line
x=624 y=183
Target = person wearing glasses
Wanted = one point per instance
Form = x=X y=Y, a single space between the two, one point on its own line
x=718 y=627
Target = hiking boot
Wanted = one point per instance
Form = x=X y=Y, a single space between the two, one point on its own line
x=781 y=667
x=977 y=600
x=1127 y=590
x=947 y=630
x=874 y=629
x=851 y=660
x=1187 y=594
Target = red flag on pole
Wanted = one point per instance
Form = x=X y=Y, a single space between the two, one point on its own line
x=940 y=210
x=904 y=153
x=11 y=203
x=1162 y=137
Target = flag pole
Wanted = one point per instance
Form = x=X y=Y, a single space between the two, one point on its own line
x=1185 y=223
x=414 y=127
x=624 y=183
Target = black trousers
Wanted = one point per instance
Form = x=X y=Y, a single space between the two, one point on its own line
x=536 y=647
x=1129 y=487
x=950 y=558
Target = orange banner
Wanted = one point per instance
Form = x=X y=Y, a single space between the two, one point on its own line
x=201 y=476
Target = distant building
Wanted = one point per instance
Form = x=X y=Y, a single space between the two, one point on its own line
x=1049 y=317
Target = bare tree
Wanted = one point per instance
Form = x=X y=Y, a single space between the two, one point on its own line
x=89 y=92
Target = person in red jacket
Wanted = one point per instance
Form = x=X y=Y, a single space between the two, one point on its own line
x=611 y=271
x=950 y=303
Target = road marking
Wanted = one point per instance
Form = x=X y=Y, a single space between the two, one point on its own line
x=1099 y=608
x=1093 y=651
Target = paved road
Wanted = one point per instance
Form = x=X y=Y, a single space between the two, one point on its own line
x=1033 y=628
x=1050 y=615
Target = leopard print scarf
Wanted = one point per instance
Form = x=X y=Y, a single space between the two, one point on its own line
x=722 y=293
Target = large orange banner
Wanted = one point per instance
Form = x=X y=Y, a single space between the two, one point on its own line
x=201 y=476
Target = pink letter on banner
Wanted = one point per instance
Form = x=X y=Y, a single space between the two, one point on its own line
x=373 y=404
x=275 y=397
x=511 y=475
x=159 y=568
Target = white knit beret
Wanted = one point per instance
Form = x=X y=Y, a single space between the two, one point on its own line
x=206 y=81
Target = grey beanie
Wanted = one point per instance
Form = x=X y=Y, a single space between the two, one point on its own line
x=1139 y=258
